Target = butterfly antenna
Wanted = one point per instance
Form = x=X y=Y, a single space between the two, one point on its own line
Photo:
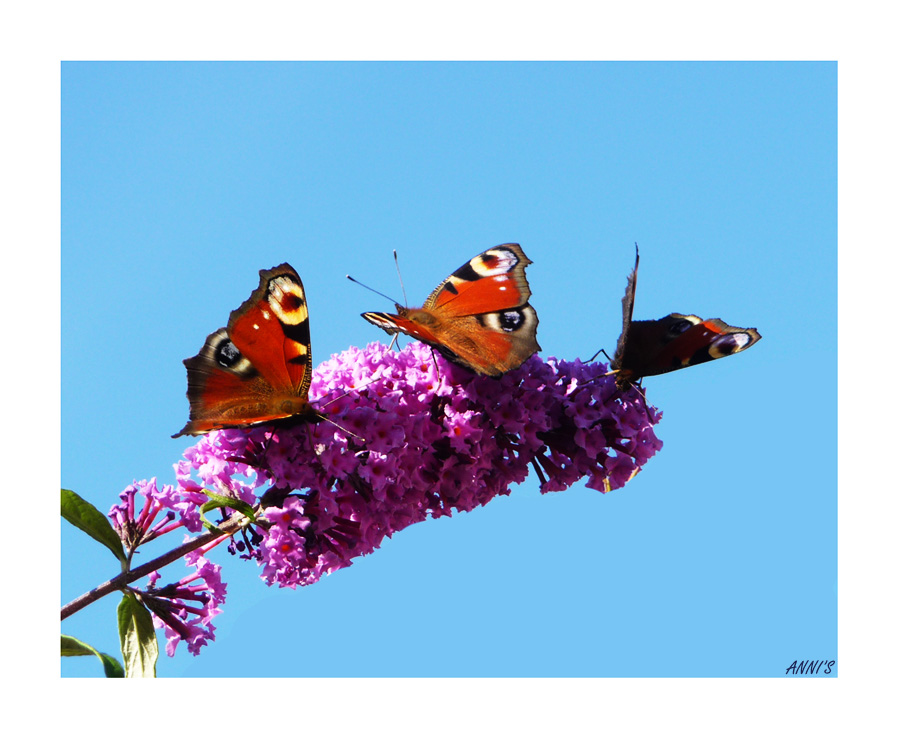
x=397 y=264
x=377 y=292
x=434 y=360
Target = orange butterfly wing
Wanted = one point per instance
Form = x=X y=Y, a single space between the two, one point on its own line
x=479 y=317
x=259 y=367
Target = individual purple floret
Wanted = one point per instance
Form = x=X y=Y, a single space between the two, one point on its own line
x=414 y=436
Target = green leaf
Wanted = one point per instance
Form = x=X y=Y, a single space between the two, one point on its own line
x=137 y=637
x=71 y=646
x=217 y=501
x=85 y=516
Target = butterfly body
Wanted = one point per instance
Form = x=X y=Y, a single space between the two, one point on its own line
x=673 y=342
x=479 y=317
x=259 y=367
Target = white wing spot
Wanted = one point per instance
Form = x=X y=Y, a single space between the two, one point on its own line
x=742 y=340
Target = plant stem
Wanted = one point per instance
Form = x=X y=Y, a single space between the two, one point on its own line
x=229 y=526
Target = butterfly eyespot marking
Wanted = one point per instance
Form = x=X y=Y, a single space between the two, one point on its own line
x=511 y=320
x=494 y=262
x=228 y=356
x=286 y=301
x=680 y=324
x=729 y=344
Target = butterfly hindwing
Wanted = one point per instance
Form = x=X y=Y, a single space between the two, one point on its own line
x=259 y=367
x=479 y=317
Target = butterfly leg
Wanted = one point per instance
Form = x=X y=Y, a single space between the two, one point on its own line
x=343 y=429
x=312 y=443
x=640 y=389
x=436 y=366
x=598 y=352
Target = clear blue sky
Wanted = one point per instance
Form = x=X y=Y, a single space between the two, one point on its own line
x=181 y=181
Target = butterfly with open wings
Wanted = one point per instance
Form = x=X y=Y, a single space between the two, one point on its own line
x=672 y=342
x=258 y=368
x=479 y=317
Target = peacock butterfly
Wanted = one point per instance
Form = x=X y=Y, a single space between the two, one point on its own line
x=479 y=317
x=672 y=342
x=259 y=367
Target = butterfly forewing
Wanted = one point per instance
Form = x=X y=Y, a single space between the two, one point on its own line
x=271 y=329
x=492 y=281
x=627 y=311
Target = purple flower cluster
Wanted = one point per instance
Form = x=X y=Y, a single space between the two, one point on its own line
x=186 y=608
x=176 y=506
x=410 y=436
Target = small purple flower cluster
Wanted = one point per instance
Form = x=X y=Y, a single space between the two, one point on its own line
x=179 y=619
x=179 y=507
x=409 y=436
